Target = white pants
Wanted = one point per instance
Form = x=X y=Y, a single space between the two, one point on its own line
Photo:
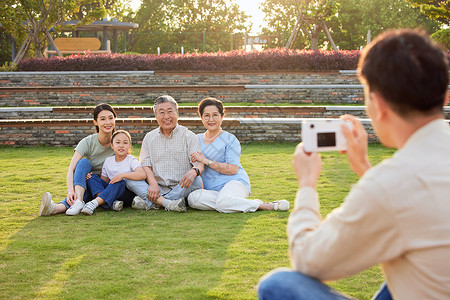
x=230 y=199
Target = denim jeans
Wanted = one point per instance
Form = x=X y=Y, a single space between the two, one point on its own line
x=140 y=188
x=288 y=284
x=106 y=191
x=82 y=168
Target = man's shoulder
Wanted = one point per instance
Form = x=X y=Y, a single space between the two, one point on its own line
x=152 y=133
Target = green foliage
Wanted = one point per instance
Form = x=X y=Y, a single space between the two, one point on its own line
x=347 y=20
x=9 y=67
x=356 y=17
x=282 y=15
x=23 y=17
x=5 y=48
x=170 y=24
x=442 y=37
x=435 y=9
x=155 y=254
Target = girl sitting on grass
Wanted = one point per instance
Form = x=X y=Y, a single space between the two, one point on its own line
x=110 y=186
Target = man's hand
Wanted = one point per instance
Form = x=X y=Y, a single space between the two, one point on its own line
x=357 y=142
x=153 y=192
x=188 y=179
x=307 y=166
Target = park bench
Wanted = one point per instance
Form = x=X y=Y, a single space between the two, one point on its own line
x=78 y=45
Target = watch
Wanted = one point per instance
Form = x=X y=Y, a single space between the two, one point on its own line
x=210 y=163
x=196 y=171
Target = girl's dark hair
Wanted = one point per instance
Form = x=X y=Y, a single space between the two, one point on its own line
x=101 y=107
x=210 y=101
x=124 y=132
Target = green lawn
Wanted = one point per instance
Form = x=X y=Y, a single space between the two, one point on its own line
x=155 y=254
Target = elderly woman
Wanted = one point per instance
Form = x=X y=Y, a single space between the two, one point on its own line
x=226 y=183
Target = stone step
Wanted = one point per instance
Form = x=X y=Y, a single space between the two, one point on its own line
x=85 y=112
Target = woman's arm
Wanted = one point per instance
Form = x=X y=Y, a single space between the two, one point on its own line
x=71 y=195
x=137 y=174
x=224 y=168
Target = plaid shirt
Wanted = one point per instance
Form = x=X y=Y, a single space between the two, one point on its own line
x=169 y=157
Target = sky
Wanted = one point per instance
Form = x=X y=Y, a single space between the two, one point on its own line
x=250 y=7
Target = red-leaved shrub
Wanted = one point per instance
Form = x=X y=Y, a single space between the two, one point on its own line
x=238 y=60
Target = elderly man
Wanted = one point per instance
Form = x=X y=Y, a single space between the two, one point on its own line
x=398 y=212
x=165 y=156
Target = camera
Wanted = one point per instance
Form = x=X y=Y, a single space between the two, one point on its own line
x=324 y=135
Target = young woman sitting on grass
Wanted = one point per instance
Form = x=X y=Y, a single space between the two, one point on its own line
x=88 y=157
x=227 y=185
x=111 y=184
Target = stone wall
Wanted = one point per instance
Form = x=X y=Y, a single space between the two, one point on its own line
x=70 y=133
x=90 y=88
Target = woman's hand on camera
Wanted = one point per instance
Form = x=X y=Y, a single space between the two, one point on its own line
x=357 y=144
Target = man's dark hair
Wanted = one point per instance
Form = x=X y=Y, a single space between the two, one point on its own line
x=408 y=69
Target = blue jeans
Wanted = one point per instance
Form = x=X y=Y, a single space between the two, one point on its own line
x=82 y=168
x=288 y=284
x=106 y=191
x=140 y=188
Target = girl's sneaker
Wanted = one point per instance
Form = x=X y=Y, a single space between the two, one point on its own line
x=76 y=208
x=117 y=205
x=88 y=208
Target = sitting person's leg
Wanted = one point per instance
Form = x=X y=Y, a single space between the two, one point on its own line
x=383 y=293
x=178 y=192
x=203 y=199
x=140 y=188
x=233 y=198
x=105 y=193
x=288 y=284
x=79 y=181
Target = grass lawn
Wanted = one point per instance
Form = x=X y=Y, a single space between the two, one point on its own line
x=155 y=254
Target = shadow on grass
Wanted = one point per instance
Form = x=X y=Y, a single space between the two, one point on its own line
x=131 y=254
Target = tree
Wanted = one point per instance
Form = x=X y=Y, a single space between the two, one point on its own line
x=356 y=17
x=304 y=17
x=435 y=9
x=29 y=21
x=170 y=24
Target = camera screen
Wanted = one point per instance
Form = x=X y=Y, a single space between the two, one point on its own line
x=326 y=139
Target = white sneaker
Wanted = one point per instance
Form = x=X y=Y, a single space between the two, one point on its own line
x=281 y=205
x=47 y=204
x=76 y=208
x=88 y=208
x=117 y=205
x=139 y=203
x=177 y=205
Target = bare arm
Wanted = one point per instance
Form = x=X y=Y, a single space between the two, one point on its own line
x=137 y=174
x=224 y=168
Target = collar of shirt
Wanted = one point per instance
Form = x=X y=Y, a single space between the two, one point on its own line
x=172 y=133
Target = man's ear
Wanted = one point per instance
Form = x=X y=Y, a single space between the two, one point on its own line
x=380 y=106
x=446 y=98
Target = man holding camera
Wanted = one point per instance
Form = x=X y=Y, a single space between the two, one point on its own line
x=398 y=212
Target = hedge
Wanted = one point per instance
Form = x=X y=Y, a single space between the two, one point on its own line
x=238 y=60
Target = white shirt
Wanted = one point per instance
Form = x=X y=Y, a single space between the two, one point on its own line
x=111 y=167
